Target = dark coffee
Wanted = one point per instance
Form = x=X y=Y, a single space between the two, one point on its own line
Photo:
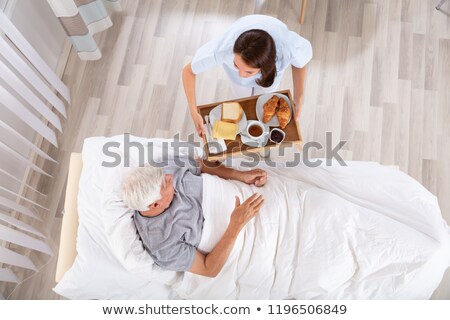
x=255 y=131
x=276 y=136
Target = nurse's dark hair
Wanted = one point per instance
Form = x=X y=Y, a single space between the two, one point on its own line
x=257 y=49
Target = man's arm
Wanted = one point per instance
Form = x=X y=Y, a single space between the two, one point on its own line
x=218 y=169
x=257 y=177
x=211 y=264
x=298 y=78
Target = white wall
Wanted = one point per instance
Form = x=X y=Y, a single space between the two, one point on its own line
x=36 y=21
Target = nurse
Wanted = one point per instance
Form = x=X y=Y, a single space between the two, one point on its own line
x=254 y=52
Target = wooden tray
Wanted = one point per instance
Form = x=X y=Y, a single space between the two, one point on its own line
x=236 y=147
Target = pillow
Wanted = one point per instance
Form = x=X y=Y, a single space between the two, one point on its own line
x=103 y=268
x=120 y=229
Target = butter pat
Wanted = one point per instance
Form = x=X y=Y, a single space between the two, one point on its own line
x=225 y=130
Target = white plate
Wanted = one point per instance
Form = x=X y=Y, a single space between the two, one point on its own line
x=216 y=114
x=262 y=99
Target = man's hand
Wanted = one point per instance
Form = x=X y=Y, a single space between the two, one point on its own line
x=258 y=177
x=246 y=211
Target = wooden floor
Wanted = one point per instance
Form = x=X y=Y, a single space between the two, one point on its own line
x=379 y=78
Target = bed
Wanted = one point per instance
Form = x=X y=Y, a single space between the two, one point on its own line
x=363 y=231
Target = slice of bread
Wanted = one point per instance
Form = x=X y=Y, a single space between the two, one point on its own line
x=231 y=112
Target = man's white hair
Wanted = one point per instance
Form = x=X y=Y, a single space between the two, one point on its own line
x=142 y=186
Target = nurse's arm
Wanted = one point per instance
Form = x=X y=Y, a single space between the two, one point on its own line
x=189 y=78
x=298 y=78
x=189 y=89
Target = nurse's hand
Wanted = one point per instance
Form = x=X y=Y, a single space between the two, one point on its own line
x=297 y=109
x=199 y=126
x=297 y=112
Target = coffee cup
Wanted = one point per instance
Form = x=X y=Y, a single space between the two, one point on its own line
x=255 y=130
x=277 y=135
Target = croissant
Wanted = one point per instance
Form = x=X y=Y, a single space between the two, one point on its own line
x=283 y=113
x=270 y=107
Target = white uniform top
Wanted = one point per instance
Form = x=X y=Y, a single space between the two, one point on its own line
x=291 y=48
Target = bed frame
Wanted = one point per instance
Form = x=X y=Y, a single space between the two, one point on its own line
x=68 y=243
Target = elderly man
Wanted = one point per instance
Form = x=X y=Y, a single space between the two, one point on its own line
x=169 y=218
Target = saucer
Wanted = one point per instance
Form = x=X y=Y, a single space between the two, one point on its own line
x=255 y=143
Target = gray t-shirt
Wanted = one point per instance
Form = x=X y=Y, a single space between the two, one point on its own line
x=172 y=237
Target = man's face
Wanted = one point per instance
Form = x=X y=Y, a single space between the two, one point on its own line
x=167 y=191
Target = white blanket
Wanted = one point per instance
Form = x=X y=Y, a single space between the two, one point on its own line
x=358 y=232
